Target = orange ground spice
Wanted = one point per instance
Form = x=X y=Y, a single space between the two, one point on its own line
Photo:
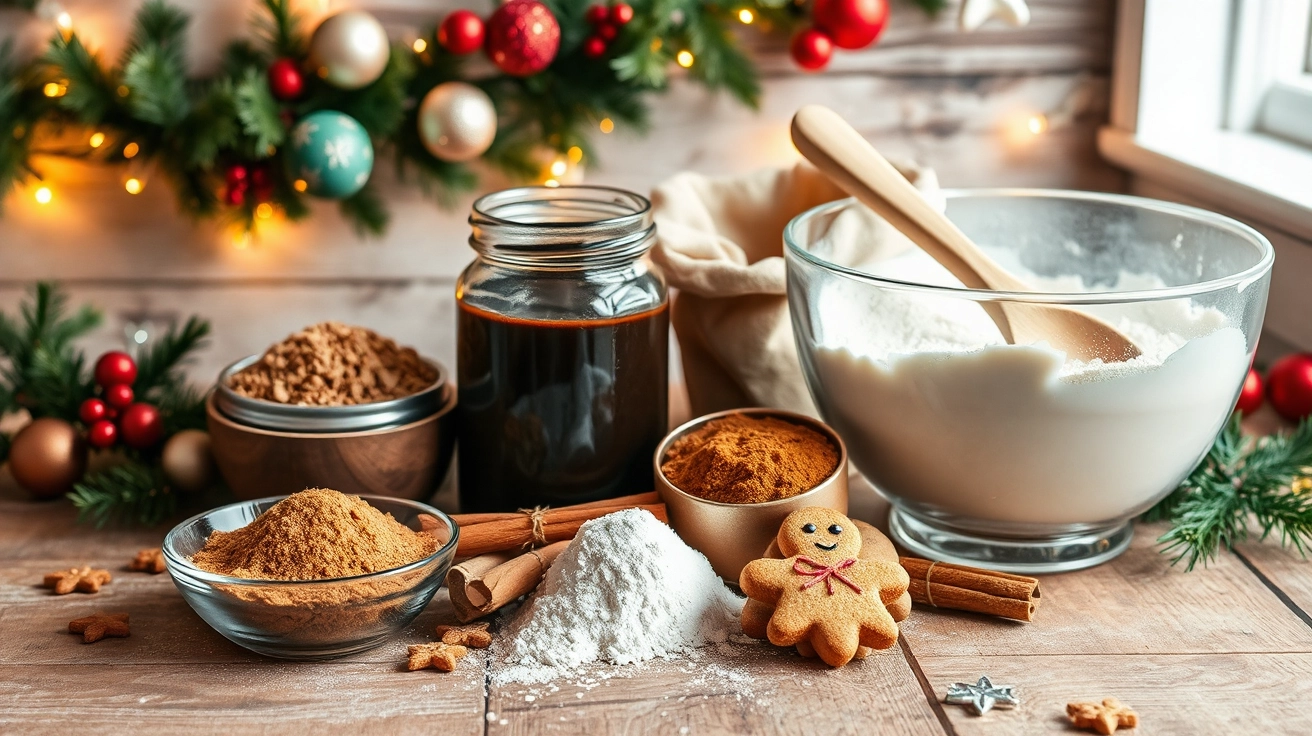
x=313 y=535
x=749 y=459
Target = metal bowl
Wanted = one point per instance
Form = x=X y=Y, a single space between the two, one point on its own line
x=310 y=419
x=733 y=534
x=401 y=461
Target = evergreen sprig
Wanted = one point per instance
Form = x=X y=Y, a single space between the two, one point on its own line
x=132 y=492
x=43 y=373
x=1241 y=482
x=195 y=131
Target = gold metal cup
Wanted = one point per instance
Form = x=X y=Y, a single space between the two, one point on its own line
x=733 y=534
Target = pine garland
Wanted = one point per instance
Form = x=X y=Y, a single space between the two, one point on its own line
x=1242 y=481
x=192 y=130
x=44 y=374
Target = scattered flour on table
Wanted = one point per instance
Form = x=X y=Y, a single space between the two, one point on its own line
x=626 y=590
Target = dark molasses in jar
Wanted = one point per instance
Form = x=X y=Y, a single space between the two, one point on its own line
x=562 y=350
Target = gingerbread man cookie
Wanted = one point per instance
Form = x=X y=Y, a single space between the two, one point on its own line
x=823 y=592
x=874 y=546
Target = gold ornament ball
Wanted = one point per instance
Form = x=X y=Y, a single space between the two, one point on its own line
x=457 y=121
x=187 y=460
x=47 y=457
x=349 y=50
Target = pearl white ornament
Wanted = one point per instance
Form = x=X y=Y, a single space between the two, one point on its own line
x=457 y=121
x=975 y=13
x=349 y=50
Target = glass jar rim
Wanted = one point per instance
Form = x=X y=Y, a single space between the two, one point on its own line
x=564 y=227
x=1242 y=279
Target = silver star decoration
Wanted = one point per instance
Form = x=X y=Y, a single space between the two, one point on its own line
x=982 y=696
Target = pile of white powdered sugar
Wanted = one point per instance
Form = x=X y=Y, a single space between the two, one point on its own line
x=626 y=590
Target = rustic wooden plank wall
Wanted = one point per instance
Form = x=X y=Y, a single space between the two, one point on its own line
x=956 y=102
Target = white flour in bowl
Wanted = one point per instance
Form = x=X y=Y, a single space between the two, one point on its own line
x=937 y=410
x=627 y=589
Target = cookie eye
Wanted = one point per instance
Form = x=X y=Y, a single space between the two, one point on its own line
x=808 y=528
x=835 y=529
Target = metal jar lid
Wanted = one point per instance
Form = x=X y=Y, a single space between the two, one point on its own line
x=327 y=419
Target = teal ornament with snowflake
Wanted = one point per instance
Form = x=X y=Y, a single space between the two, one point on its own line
x=331 y=152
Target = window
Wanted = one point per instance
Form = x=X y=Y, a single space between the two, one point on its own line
x=1212 y=106
x=1213 y=98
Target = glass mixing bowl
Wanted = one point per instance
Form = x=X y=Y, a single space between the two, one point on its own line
x=310 y=619
x=1011 y=456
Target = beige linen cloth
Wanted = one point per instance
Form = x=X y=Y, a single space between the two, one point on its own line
x=720 y=243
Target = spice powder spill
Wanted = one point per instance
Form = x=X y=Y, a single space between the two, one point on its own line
x=745 y=459
x=332 y=364
x=313 y=535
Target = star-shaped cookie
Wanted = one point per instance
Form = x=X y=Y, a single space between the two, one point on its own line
x=97 y=626
x=437 y=655
x=82 y=579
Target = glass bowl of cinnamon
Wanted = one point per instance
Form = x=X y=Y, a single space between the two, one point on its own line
x=311 y=576
x=728 y=479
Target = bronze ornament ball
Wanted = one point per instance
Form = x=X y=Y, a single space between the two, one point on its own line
x=187 y=460
x=457 y=121
x=47 y=457
x=349 y=50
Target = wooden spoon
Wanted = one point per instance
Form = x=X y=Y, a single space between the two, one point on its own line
x=827 y=141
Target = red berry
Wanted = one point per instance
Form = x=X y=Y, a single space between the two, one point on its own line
x=851 y=24
x=119 y=395
x=115 y=367
x=811 y=49
x=92 y=411
x=594 y=47
x=102 y=434
x=141 y=425
x=1250 y=396
x=621 y=13
x=235 y=196
x=236 y=175
x=461 y=32
x=286 y=81
x=608 y=31
x=1289 y=386
x=596 y=15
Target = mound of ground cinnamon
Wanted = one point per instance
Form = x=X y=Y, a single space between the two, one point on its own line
x=749 y=459
x=332 y=364
x=312 y=535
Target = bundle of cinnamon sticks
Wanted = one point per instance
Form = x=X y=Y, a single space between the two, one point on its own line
x=509 y=553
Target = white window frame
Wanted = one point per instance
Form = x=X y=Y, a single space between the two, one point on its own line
x=1197 y=110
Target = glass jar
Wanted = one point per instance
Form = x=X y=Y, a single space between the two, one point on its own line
x=562 y=349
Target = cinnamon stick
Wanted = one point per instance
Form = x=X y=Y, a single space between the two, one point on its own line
x=517 y=532
x=945 y=585
x=484 y=584
x=638 y=499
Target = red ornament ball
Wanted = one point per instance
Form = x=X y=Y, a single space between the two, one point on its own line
x=1250 y=396
x=115 y=367
x=621 y=13
x=594 y=47
x=596 y=15
x=119 y=395
x=461 y=32
x=811 y=49
x=608 y=31
x=522 y=37
x=851 y=24
x=141 y=426
x=92 y=411
x=286 y=81
x=235 y=196
x=102 y=434
x=1289 y=386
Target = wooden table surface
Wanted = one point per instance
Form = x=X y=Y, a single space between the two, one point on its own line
x=1224 y=650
